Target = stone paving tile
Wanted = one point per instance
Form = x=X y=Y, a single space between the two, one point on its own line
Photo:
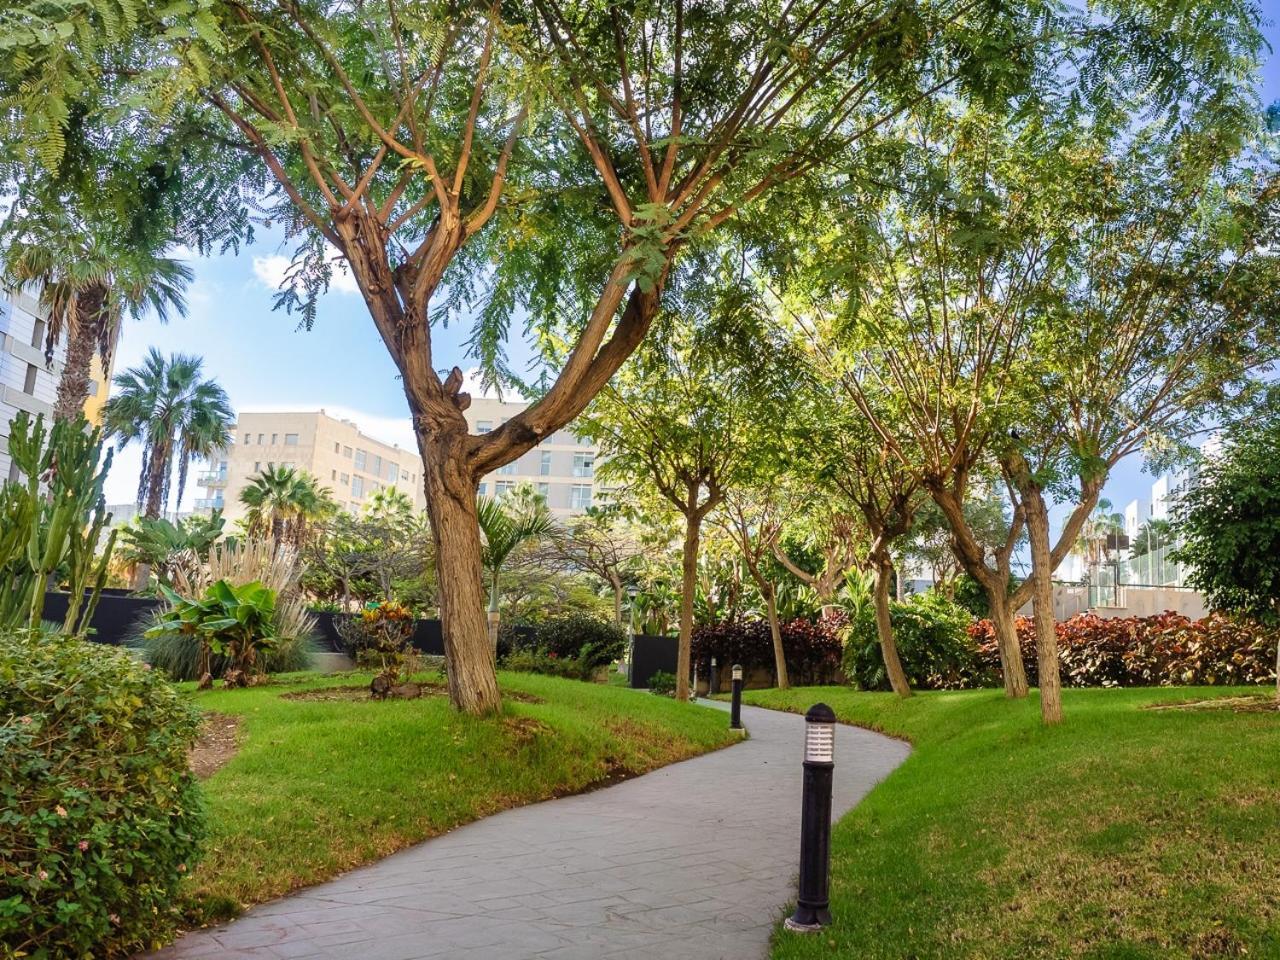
x=696 y=860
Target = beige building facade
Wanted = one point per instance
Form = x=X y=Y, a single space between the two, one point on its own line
x=561 y=468
x=350 y=463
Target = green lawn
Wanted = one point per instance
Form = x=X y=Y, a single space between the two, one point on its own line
x=318 y=787
x=1125 y=833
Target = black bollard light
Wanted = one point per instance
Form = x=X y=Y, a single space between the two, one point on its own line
x=812 y=912
x=713 y=681
x=735 y=708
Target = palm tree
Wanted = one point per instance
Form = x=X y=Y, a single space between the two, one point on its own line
x=281 y=501
x=176 y=415
x=86 y=285
x=506 y=528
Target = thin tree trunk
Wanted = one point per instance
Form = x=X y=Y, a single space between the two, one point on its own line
x=495 y=612
x=688 y=583
x=884 y=630
x=1042 y=604
x=73 y=386
x=1015 y=675
x=617 y=600
x=455 y=530
x=155 y=483
x=775 y=631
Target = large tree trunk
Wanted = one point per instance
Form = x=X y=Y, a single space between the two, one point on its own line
x=1042 y=602
x=775 y=631
x=688 y=584
x=455 y=530
x=73 y=386
x=1015 y=675
x=154 y=504
x=884 y=630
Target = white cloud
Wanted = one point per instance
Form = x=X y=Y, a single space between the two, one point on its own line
x=271 y=270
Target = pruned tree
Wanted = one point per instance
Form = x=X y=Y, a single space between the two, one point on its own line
x=602 y=544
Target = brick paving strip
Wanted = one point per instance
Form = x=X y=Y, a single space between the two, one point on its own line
x=695 y=861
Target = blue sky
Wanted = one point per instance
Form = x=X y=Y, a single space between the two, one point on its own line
x=265 y=362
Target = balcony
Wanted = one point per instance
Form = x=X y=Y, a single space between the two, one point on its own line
x=214 y=478
x=209 y=503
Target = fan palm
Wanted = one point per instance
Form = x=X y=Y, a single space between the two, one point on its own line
x=86 y=285
x=505 y=529
x=1098 y=533
x=281 y=501
x=175 y=414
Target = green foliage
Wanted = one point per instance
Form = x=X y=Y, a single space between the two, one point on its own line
x=1229 y=523
x=236 y=622
x=281 y=501
x=52 y=520
x=160 y=543
x=662 y=683
x=179 y=656
x=933 y=644
x=576 y=646
x=102 y=818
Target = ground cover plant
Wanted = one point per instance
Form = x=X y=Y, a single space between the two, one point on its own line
x=1125 y=833
x=321 y=785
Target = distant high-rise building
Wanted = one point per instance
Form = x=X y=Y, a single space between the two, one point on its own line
x=350 y=463
x=27 y=381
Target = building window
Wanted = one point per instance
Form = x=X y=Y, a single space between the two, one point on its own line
x=29 y=385
x=583 y=465
x=346 y=452
x=290 y=439
x=248 y=439
x=333 y=474
x=344 y=479
x=393 y=472
x=544 y=467
x=377 y=466
x=337 y=448
x=260 y=439
x=484 y=426
x=13 y=472
x=357 y=486
x=508 y=469
x=482 y=488
x=580 y=496
x=257 y=466
x=361 y=459
x=502 y=487
x=544 y=490
x=37 y=333
x=275 y=438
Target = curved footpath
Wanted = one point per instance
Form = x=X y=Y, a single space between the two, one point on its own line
x=696 y=860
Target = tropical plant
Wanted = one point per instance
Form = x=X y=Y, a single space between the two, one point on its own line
x=1100 y=535
x=506 y=528
x=1152 y=535
x=281 y=501
x=236 y=622
x=161 y=544
x=87 y=282
x=52 y=520
x=175 y=415
x=933 y=642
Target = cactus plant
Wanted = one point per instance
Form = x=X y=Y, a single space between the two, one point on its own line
x=51 y=520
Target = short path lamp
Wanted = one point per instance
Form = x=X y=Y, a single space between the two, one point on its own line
x=812 y=912
x=713 y=680
x=735 y=707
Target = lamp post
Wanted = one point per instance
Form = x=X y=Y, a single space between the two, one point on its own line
x=735 y=708
x=713 y=681
x=812 y=912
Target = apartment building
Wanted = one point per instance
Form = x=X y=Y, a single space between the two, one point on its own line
x=350 y=463
x=561 y=468
x=27 y=381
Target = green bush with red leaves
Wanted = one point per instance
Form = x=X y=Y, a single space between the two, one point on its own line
x=1168 y=649
x=812 y=648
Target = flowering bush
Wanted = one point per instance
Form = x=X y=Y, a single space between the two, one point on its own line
x=379 y=637
x=1164 y=650
x=100 y=816
x=812 y=648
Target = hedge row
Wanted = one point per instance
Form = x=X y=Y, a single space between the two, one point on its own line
x=1165 y=650
x=812 y=649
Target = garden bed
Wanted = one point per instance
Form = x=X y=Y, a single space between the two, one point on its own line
x=322 y=783
x=1124 y=833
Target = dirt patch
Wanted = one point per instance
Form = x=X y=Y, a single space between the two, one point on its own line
x=1254 y=703
x=525 y=730
x=217 y=744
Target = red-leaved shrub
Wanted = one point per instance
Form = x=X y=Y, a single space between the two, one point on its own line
x=1165 y=650
x=812 y=649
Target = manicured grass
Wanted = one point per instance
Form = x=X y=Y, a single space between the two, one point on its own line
x=1125 y=833
x=318 y=787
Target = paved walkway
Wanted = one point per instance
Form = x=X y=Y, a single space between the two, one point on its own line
x=695 y=861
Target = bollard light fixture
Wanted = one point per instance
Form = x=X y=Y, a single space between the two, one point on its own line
x=737 y=671
x=735 y=704
x=819 y=736
x=814 y=900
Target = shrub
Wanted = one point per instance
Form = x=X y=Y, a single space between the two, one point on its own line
x=812 y=648
x=540 y=661
x=236 y=622
x=662 y=683
x=595 y=642
x=178 y=655
x=933 y=645
x=1165 y=650
x=101 y=815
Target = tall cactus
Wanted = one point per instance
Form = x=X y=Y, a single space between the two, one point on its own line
x=51 y=521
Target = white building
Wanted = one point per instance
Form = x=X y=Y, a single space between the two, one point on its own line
x=1136 y=514
x=27 y=382
x=562 y=468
